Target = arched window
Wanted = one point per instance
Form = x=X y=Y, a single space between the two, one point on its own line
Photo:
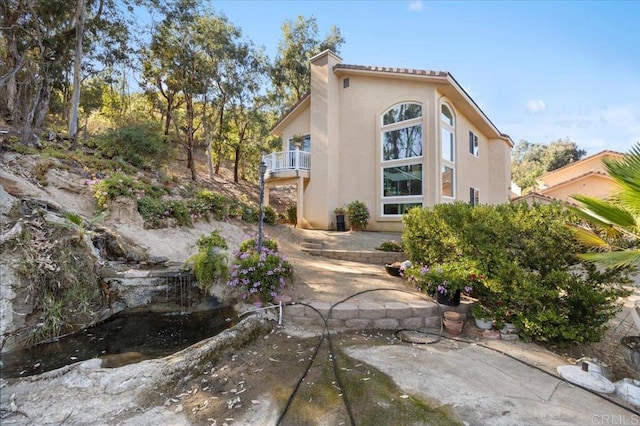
x=448 y=149
x=402 y=159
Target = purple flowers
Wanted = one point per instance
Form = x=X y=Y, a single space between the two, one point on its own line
x=263 y=273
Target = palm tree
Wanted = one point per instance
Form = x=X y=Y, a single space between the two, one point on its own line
x=616 y=236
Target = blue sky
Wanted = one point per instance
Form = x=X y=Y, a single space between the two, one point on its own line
x=540 y=70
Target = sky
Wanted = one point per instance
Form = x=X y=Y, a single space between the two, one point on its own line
x=540 y=70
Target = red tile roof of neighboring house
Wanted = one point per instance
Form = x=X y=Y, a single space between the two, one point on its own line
x=534 y=194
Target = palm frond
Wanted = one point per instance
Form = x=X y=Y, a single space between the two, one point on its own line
x=588 y=237
x=614 y=259
x=605 y=212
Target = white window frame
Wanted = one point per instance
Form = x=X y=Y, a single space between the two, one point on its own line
x=448 y=162
x=407 y=161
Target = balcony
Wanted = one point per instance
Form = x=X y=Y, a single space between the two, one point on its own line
x=287 y=164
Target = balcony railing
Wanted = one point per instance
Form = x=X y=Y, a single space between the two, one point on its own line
x=287 y=160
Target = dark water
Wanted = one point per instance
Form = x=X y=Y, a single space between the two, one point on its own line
x=151 y=334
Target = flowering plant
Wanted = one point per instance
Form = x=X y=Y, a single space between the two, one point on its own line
x=262 y=274
x=445 y=278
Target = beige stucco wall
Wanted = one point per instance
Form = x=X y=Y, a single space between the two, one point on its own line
x=594 y=185
x=590 y=164
x=299 y=125
x=346 y=158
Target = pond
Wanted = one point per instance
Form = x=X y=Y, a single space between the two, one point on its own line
x=121 y=339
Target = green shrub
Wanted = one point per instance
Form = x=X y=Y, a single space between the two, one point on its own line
x=270 y=215
x=529 y=259
x=292 y=214
x=358 y=214
x=155 y=212
x=137 y=143
x=121 y=185
x=390 y=246
x=251 y=244
x=211 y=263
x=217 y=204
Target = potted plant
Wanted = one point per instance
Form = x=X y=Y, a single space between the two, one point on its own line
x=483 y=316
x=446 y=281
x=260 y=277
x=340 y=223
x=358 y=215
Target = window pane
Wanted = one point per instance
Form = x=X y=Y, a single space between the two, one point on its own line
x=399 y=208
x=306 y=144
x=402 y=143
x=473 y=144
x=402 y=113
x=446 y=115
x=402 y=180
x=447 y=145
x=447 y=181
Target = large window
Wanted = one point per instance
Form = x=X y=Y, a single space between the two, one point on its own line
x=448 y=150
x=402 y=158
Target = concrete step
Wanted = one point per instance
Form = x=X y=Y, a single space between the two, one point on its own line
x=313 y=246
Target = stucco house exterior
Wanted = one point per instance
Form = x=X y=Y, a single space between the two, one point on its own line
x=586 y=177
x=391 y=138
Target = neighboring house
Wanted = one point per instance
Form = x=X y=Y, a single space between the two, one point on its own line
x=391 y=138
x=587 y=177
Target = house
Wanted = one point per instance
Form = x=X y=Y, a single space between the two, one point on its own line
x=586 y=177
x=389 y=137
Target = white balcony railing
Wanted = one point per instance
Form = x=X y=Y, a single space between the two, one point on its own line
x=287 y=160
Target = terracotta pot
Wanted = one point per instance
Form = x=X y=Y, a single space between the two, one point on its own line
x=452 y=316
x=453 y=327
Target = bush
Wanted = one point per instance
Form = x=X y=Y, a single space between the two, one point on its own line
x=529 y=259
x=121 y=185
x=390 y=246
x=358 y=214
x=292 y=214
x=211 y=263
x=155 y=212
x=138 y=143
x=262 y=274
x=270 y=215
x=217 y=204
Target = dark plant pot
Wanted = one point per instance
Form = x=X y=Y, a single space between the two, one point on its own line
x=392 y=270
x=448 y=299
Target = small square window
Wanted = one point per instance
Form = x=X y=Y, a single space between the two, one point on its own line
x=345 y=83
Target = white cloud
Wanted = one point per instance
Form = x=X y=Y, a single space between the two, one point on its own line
x=535 y=107
x=416 y=5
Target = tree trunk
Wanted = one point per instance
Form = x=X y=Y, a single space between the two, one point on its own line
x=190 y=159
x=236 y=164
x=81 y=13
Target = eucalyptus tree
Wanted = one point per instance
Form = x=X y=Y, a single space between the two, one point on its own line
x=290 y=73
x=199 y=60
x=41 y=41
